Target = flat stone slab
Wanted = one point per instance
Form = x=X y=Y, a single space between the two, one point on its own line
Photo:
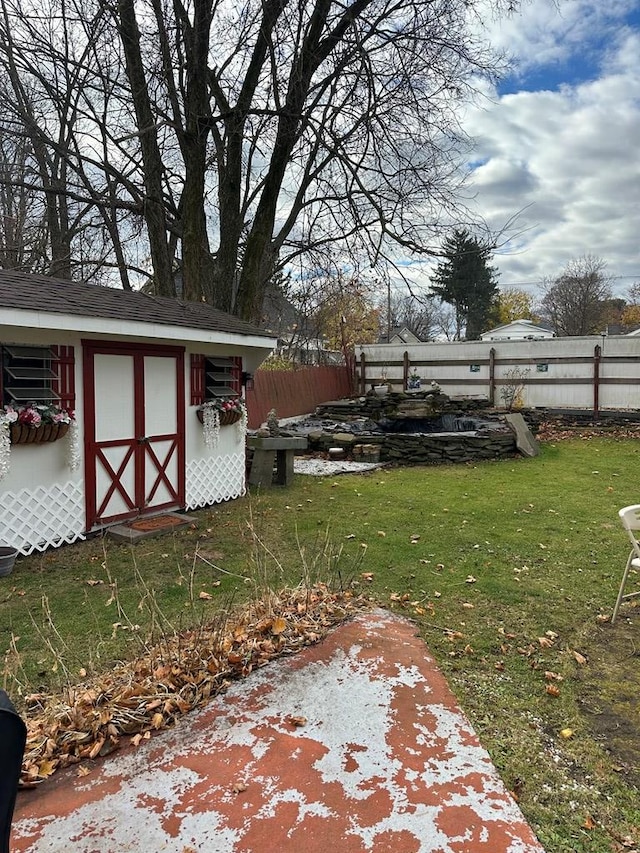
x=353 y=745
x=526 y=443
x=278 y=443
x=148 y=526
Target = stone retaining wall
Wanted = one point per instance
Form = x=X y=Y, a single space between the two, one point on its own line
x=421 y=404
x=409 y=448
x=422 y=448
x=446 y=448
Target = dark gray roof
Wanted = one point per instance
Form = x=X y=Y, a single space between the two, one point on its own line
x=55 y=296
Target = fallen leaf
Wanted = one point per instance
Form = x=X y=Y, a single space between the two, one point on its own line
x=205 y=596
x=580 y=659
x=381 y=533
x=46 y=768
x=553 y=690
x=297 y=721
x=566 y=733
x=470 y=579
x=468 y=606
x=553 y=676
x=95 y=749
x=93 y=582
x=83 y=771
x=239 y=787
x=545 y=642
x=279 y=625
x=589 y=822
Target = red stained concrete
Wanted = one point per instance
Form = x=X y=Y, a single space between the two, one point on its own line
x=385 y=762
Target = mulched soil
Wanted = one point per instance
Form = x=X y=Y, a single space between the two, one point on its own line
x=552 y=431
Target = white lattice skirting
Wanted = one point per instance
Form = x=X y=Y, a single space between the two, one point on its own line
x=44 y=517
x=214 y=479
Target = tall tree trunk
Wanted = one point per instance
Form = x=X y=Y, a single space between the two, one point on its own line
x=154 y=210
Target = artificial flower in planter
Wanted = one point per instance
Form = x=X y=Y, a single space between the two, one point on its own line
x=413 y=380
x=35 y=423
x=222 y=411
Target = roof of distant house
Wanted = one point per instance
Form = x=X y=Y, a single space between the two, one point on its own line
x=403 y=335
x=28 y=292
x=533 y=325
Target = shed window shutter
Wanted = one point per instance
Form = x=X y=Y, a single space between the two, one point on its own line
x=215 y=376
x=197 y=379
x=64 y=385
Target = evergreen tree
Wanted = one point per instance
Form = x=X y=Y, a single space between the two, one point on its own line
x=465 y=281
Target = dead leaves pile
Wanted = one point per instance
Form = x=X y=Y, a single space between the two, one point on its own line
x=559 y=431
x=179 y=674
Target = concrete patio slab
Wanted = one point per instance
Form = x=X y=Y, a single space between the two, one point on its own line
x=355 y=744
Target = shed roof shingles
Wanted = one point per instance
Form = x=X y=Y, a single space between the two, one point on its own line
x=28 y=292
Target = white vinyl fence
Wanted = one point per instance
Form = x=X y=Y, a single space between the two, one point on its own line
x=593 y=372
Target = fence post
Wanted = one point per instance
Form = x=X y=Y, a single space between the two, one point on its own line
x=492 y=377
x=597 y=353
x=405 y=370
x=363 y=378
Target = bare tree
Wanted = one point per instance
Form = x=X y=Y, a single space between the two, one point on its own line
x=243 y=135
x=23 y=228
x=58 y=85
x=421 y=315
x=578 y=301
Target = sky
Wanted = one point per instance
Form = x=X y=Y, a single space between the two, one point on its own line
x=557 y=141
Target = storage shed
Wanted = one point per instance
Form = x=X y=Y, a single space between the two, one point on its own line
x=135 y=371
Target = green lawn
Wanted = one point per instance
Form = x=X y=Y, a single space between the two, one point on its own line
x=506 y=568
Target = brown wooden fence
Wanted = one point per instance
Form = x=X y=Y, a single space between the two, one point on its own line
x=294 y=392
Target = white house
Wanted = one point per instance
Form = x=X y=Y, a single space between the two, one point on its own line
x=135 y=369
x=400 y=335
x=518 y=330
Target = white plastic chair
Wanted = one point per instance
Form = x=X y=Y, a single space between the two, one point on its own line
x=630 y=518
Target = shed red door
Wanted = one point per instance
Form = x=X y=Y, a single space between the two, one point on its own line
x=134 y=430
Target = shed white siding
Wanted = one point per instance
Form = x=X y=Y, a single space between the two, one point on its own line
x=43 y=501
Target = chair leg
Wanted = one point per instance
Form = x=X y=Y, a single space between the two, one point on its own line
x=621 y=591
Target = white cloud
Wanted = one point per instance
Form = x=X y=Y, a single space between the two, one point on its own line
x=568 y=157
x=545 y=32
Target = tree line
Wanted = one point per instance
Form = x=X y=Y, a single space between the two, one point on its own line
x=337 y=311
x=201 y=148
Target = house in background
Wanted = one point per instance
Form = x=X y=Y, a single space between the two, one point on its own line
x=399 y=335
x=135 y=369
x=518 y=330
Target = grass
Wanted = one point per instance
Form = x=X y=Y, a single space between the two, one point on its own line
x=508 y=569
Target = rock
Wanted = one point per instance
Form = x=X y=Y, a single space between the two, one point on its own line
x=525 y=442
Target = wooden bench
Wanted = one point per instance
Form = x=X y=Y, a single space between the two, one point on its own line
x=268 y=453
